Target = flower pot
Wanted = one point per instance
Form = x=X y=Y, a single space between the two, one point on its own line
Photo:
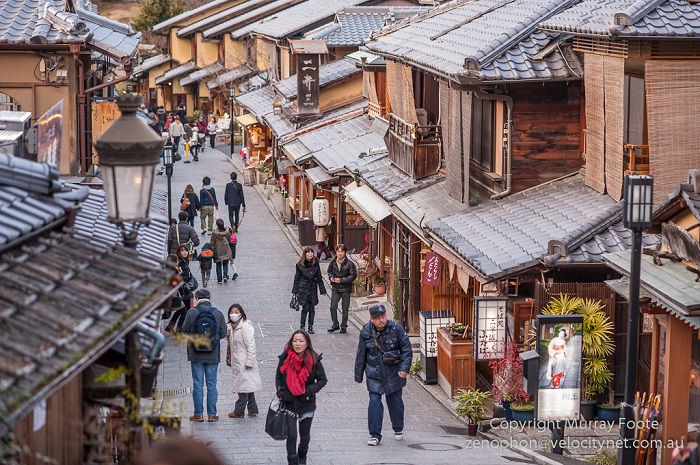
x=472 y=429
x=524 y=416
x=380 y=289
x=588 y=409
x=507 y=410
x=608 y=414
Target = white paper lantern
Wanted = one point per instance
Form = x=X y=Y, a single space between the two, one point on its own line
x=322 y=213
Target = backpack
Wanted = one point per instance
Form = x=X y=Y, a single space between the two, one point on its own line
x=185 y=203
x=207 y=330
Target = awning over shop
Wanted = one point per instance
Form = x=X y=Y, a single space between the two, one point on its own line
x=319 y=176
x=283 y=165
x=368 y=204
x=248 y=119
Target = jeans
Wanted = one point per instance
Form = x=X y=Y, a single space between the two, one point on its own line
x=207 y=212
x=234 y=214
x=190 y=220
x=206 y=275
x=375 y=413
x=194 y=150
x=245 y=398
x=176 y=143
x=212 y=138
x=200 y=371
x=304 y=435
x=335 y=298
x=219 y=265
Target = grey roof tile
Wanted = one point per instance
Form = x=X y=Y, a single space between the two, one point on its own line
x=255 y=82
x=485 y=40
x=240 y=23
x=172 y=73
x=183 y=17
x=258 y=102
x=478 y=234
x=151 y=63
x=648 y=18
x=329 y=73
x=229 y=76
x=387 y=180
x=230 y=13
x=283 y=129
x=204 y=73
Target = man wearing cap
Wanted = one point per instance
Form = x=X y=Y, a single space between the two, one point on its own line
x=202 y=321
x=384 y=356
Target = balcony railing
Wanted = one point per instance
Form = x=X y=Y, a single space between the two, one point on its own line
x=415 y=149
x=636 y=159
x=375 y=110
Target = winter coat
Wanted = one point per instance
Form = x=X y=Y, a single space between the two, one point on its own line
x=201 y=126
x=242 y=343
x=187 y=233
x=194 y=204
x=185 y=274
x=211 y=128
x=188 y=326
x=182 y=114
x=347 y=272
x=176 y=129
x=382 y=378
x=206 y=258
x=205 y=199
x=308 y=282
x=220 y=244
x=233 y=195
x=305 y=402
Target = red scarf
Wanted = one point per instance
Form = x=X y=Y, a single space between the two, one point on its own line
x=295 y=372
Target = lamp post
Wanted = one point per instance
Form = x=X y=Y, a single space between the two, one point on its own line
x=638 y=204
x=168 y=163
x=232 y=94
x=129 y=152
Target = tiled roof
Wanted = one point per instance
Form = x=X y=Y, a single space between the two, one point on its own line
x=629 y=18
x=505 y=236
x=50 y=22
x=318 y=175
x=206 y=72
x=296 y=19
x=241 y=21
x=284 y=129
x=415 y=209
x=172 y=73
x=188 y=14
x=228 y=76
x=258 y=102
x=337 y=145
x=353 y=25
x=222 y=16
x=255 y=82
x=482 y=40
x=329 y=73
x=151 y=63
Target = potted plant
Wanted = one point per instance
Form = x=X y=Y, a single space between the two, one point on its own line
x=597 y=345
x=523 y=410
x=379 y=285
x=609 y=411
x=508 y=378
x=457 y=330
x=470 y=405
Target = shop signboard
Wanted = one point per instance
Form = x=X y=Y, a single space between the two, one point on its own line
x=431 y=272
x=559 y=341
x=50 y=129
x=490 y=327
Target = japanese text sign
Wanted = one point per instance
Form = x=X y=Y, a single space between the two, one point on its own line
x=308 y=87
x=431 y=273
x=490 y=327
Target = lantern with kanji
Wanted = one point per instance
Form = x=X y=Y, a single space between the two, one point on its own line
x=321 y=211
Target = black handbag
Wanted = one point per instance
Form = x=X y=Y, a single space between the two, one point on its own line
x=276 y=422
x=294 y=303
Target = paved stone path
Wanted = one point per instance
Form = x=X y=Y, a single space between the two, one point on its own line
x=339 y=433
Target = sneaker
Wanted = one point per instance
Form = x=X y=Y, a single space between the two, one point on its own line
x=209 y=232
x=213 y=418
x=373 y=441
x=233 y=415
x=343 y=330
x=204 y=284
x=235 y=275
x=219 y=282
x=398 y=435
x=197 y=418
x=225 y=279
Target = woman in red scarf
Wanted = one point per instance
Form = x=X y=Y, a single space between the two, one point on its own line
x=300 y=375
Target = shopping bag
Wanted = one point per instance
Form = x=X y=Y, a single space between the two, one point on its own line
x=276 y=421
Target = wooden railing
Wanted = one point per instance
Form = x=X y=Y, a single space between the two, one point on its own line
x=636 y=159
x=413 y=148
x=375 y=110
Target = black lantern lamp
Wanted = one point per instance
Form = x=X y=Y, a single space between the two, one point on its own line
x=277 y=107
x=129 y=151
x=168 y=163
x=232 y=95
x=638 y=205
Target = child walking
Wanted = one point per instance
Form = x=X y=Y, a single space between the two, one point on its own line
x=206 y=260
x=233 y=240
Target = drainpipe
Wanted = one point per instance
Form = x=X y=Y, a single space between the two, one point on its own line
x=158 y=341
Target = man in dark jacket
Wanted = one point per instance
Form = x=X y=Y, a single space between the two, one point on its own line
x=181 y=233
x=234 y=198
x=384 y=355
x=204 y=363
x=342 y=273
x=208 y=202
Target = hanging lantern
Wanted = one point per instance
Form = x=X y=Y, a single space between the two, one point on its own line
x=321 y=209
x=423 y=253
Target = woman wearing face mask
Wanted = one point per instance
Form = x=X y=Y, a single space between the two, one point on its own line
x=308 y=282
x=300 y=376
x=244 y=365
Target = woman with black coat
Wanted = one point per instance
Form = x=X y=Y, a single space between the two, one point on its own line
x=194 y=204
x=308 y=282
x=184 y=265
x=300 y=376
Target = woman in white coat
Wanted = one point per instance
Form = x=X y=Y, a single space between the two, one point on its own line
x=244 y=365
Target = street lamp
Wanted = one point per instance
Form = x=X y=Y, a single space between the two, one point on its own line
x=277 y=107
x=232 y=94
x=638 y=204
x=129 y=151
x=168 y=163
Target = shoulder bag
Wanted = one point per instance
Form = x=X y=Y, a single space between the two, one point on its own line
x=276 y=421
x=189 y=244
x=185 y=204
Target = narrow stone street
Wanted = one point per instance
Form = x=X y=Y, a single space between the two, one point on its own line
x=265 y=265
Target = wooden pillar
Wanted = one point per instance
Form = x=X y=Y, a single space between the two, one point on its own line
x=654 y=376
x=676 y=383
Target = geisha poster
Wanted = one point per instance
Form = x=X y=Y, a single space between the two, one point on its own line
x=559 y=339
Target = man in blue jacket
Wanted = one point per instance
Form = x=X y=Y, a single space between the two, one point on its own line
x=207 y=199
x=384 y=355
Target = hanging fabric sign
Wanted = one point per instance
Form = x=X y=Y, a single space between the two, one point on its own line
x=431 y=273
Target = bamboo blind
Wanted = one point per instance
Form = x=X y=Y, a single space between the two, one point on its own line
x=673 y=119
x=451 y=103
x=369 y=87
x=400 y=81
x=614 y=78
x=595 y=122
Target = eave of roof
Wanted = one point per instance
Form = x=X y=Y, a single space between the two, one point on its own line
x=188 y=14
x=172 y=73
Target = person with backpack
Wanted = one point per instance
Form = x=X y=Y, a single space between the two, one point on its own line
x=234 y=198
x=181 y=233
x=189 y=203
x=232 y=242
x=220 y=241
x=208 y=202
x=206 y=326
x=206 y=260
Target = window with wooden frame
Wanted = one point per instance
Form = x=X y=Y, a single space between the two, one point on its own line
x=487 y=135
x=635 y=138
